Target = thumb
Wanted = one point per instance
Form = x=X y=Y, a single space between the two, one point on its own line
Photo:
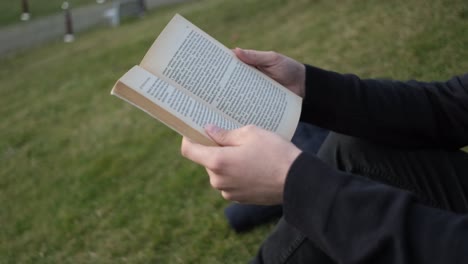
x=221 y=136
x=255 y=57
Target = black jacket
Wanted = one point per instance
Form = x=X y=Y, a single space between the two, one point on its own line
x=356 y=220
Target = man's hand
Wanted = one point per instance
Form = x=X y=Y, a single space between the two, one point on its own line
x=250 y=166
x=282 y=69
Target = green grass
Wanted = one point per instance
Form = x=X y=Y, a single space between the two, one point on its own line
x=87 y=178
x=11 y=9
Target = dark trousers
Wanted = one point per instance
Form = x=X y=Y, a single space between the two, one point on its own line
x=438 y=178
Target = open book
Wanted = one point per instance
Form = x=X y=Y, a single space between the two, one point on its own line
x=188 y=79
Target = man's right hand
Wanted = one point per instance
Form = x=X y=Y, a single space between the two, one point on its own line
x=282 y=69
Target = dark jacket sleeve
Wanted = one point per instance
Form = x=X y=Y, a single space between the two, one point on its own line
x=417 y=114
x=355 y=220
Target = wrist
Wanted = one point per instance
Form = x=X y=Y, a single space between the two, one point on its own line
x=291 y=157
x=302 y=81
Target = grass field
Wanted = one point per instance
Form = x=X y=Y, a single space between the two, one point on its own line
x=12 y=9
x=87 y=178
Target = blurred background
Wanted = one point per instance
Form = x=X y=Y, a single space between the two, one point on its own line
x=88 y=178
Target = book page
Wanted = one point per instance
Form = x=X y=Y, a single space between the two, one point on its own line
x=186 y=57
x=172 y=100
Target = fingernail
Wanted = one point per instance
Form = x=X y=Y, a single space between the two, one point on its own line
x=212 y=129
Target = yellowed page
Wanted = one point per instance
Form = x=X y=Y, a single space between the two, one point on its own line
x=171 y=100
x=186 y=57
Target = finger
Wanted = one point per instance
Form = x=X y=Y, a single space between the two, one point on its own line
x=218 y=181
x=233 y=196
x=256 y=58
x=227 y=195
x=197 y=153
x=223 y=137
x=215 y=180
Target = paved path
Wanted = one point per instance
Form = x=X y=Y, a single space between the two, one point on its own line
x=38 y=31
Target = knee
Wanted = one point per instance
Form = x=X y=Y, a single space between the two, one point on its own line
x=342 y=152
